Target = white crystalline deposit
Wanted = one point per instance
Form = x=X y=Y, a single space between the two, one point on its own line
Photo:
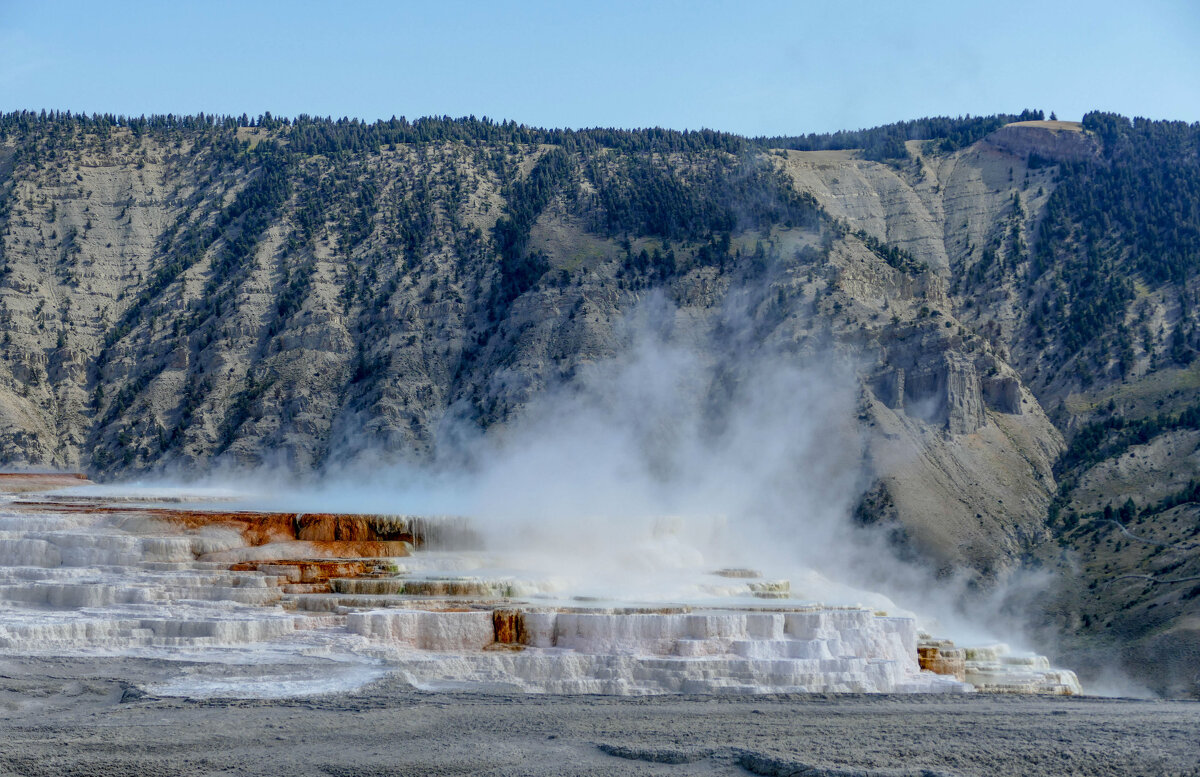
x=621 y=652
x=994 y=668
x=534 y=671
x=78 y=582
x=426 y=630
x=74 y=581
x=128 y=628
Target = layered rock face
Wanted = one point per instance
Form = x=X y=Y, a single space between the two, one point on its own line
x=1050 y=140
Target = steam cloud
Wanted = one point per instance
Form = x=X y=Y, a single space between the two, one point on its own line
x=681 y=452
x=678 y=454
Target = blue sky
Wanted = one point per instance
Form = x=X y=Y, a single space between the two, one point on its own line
x=752 y=67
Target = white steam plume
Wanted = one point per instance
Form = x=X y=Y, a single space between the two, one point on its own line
x=678 y=454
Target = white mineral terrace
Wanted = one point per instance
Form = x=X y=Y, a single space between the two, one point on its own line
x=275 y=604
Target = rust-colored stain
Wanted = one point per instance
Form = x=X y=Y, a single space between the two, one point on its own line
x=255 y=528
x=312 y=576
x=942 y=659
x=362 y=549
x=509 y=626
x=335 y=527
x=306 y=588
x=259 y=528
x=309 y=570
x=451 y=587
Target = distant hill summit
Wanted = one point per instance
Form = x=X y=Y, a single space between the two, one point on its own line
x=1020 y=297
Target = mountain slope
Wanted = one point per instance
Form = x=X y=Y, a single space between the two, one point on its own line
x=178 y=292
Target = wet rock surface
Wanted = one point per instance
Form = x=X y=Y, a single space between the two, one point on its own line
x=942 y=658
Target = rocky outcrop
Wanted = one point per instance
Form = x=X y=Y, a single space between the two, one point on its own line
x=947 y=394
x=1052 y=141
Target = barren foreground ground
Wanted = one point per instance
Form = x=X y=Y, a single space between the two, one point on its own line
x=87 y=717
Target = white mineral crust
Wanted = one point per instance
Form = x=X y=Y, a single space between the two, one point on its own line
x=79 y=582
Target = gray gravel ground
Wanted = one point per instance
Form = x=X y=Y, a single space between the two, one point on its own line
x=88 y=717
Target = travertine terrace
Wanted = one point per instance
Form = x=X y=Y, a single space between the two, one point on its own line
x=82 y=573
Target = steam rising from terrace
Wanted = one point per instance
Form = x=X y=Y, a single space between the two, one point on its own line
x=658 y=458
x=673 y=522
x=692 y=447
